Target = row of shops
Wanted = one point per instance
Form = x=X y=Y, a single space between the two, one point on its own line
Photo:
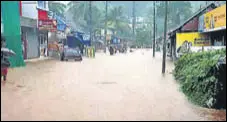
x=38 y=27
x=38 y=33
x=206 y=29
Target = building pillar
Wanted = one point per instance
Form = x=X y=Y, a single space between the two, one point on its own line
x=12 y=31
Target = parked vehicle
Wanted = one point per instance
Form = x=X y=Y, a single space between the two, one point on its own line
x=71 y=53
x=71 y=50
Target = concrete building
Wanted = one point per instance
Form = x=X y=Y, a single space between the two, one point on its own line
x=29 y=30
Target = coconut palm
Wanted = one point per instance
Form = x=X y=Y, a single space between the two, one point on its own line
x=57 y=7
x=117 y=22
x=80 y=11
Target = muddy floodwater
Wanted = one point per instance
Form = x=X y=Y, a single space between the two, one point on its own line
x=120 y=87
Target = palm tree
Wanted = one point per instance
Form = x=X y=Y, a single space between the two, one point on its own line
x=116 y=21
x=80 y=11
x=57 y=7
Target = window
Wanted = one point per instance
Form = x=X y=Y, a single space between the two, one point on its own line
x=42 y=5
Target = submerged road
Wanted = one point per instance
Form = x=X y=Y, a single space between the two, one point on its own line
x=120 y=87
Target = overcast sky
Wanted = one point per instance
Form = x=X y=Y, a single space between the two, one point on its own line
x=65 y=2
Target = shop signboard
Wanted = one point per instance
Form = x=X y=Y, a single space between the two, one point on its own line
x=194 y=39
x=47 y=24
x=215 y=19
x=186 y=42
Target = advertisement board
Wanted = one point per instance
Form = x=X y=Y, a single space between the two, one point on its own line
x=47 y=24
x=215 y=18
x=193 y=39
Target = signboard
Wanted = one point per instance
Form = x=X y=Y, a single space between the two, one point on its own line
x=193 y=39
x=185 y=42
x=215 y=19
x=86 y=37
x=49 y=25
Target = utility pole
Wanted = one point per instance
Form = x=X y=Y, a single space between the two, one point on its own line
x=106 y=23
x=164 y=43
x=154 y=32
x=90 y=22
x=133 y=21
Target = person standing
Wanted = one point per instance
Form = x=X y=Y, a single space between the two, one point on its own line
x=4 y=69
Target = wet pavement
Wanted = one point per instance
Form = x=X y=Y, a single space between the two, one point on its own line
x=120 y=87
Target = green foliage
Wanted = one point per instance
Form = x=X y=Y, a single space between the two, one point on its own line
x=143 y=36
x=178 y=11
x=116 y=21
x=80 y=12
x=57 y=7
x=197 y=75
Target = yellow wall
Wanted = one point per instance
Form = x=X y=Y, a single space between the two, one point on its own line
x=190 y=37
x=218 y=16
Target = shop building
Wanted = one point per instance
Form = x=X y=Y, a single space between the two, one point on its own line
x=43 y=22
x=213 y=24
x=189 y=27
x=29 y=31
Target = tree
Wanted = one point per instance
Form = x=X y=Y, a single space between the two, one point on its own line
x=143 y=36
x=118 y=22
x=178 y=11
x=57 y=7
x=80 y=11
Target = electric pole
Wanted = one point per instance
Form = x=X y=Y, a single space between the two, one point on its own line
x=164 y=43
x=133 y=21
x=154 y=32
x=90 y=22
x=106 y=23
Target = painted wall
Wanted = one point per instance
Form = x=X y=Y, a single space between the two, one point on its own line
x=11 y=20
x=2 y=26
x=29 y=9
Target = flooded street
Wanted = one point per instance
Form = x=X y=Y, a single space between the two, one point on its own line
x=120 y=87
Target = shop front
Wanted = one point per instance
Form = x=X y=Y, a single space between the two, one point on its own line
x=213 y=24
x=43 y=41
x=45 y=26
x=29 y=38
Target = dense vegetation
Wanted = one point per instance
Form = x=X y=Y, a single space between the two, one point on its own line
x=119 y=13
x=202 y=79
